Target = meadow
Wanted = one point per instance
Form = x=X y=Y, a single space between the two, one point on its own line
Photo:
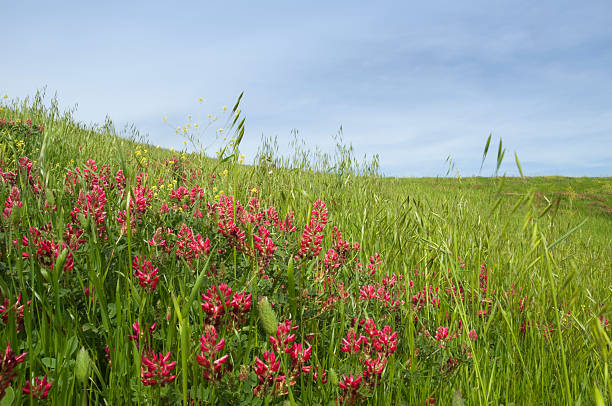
x=133 y=274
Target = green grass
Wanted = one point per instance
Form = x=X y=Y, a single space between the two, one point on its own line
x=545 y=242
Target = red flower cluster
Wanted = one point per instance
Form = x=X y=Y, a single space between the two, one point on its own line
x=146 y=274
x=268 y=375
x=155 y=369
x=209 y=346
x=375 y=263
x=25 y=169
x=339 y=255
x=284 y=337
x=90 y=205
x=444 y=335
x=47 y=252
x=233 y=220
x=227 y=226
x=196 y=196
x=484 y=271
x=455 y=293
x=7 y=368
x=163 y=238
x=441 y=333
x=140 y=200
x=351 y=344
x=374 y=348
x=11 y=201
x=16 y=308
x=190 y=247
x=143 y=335
x=218 y=300
x=604 y=321
x=264 y=246
x=39 y=388
x=92 y=175
x=270 y=379
x=18 y=123
x=12 y=179
x=389 y=292
x=426 y=297
x=271 y=218
x=350 y=385
x=310 y=244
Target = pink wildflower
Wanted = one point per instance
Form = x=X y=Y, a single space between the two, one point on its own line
x=39 y=388
x=146 y=274
x=7 y=365
x=156 y=370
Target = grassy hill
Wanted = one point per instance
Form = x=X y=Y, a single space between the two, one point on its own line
x=136 y=274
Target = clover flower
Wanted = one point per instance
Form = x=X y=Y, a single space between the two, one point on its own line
x=209 y=347
x=156 y=370
x=351 y=344
x=146 y=274
x=268 y=376
x=7 y=368
x=39 y=388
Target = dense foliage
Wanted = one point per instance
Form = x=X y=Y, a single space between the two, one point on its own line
x=133 y=274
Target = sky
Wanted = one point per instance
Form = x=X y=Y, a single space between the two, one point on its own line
x=411 y=82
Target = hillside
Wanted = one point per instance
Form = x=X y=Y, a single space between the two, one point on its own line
x=132 y=273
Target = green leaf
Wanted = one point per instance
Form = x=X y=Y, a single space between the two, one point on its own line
x=291 y=288
x=9 y=397
x=500 y=156
x=486 y=150
x=49 y=362
x=570 y=232
x=518 y=165
x=598 y=397
x=197 y=286
x=238 y=101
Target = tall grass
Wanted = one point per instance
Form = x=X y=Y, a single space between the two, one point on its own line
x=528 y=274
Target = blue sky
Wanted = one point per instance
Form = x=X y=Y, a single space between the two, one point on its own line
x=411 y=82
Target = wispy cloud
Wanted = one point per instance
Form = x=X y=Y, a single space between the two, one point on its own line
x=412 y=83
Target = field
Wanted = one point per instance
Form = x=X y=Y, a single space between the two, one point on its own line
x=136 y=274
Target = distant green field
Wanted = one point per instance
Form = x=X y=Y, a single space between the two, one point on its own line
x=136 y=274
